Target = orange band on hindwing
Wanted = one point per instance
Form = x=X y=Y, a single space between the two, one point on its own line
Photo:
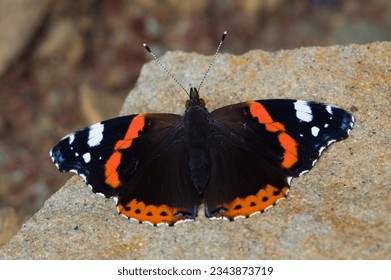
x=258 y=111
x=257 y=203
x=111 y=173
x=151 y=213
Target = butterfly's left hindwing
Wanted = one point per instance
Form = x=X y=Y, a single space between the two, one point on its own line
x=133 y=158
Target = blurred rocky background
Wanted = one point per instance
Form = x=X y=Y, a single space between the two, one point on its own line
x=67 y=64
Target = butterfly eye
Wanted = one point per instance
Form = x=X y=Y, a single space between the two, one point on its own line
x=187 y=104
x=202 y=102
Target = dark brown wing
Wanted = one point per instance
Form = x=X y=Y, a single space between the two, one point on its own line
x=137 y=159
x=258 y=147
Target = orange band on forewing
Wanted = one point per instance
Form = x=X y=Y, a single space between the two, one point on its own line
x=258 y=111
x=111 y=174
x=290 y=147
x=135 y=127
x=275 y=127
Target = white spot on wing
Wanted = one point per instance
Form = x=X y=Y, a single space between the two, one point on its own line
x=218 y=218
x=100 y=194
x=87 y=157
x=315 y=131
x=181 y=221
x=329 y=109
x=303 y=111
x=303 y=172
x=95 y=135
x=83 y=176
x=321 y=150
x=240 y=217
x=71 y=138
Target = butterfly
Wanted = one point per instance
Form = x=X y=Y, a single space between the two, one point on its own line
x=237 y=160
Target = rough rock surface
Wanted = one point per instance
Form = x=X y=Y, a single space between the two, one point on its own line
x=339 y=210
x=19 y=20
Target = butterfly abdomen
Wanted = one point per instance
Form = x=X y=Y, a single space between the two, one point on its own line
x=197 y=122
x=199 y=165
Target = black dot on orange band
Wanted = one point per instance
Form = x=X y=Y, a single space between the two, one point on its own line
x=163 y=213
x=275 y=193
x=237 y=207
x=252 y=204
x=149 y=214
x=265 y=198
x=137 y=211
x=127 y=208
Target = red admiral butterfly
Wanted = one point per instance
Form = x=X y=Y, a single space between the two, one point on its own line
x=238 y=160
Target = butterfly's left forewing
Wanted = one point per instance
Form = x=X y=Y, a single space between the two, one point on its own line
x=261 y=145
x=133 y=159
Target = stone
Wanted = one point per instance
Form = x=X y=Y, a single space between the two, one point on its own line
x=339 y=210
x=19 y=21
x=10 y=222
x=63 y=42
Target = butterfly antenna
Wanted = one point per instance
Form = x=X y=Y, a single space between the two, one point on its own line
x=164 y=68
x=213 y=60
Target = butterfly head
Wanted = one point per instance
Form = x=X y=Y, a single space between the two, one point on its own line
x=195 y=99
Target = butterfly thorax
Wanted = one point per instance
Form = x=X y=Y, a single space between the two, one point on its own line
x=197 y=123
